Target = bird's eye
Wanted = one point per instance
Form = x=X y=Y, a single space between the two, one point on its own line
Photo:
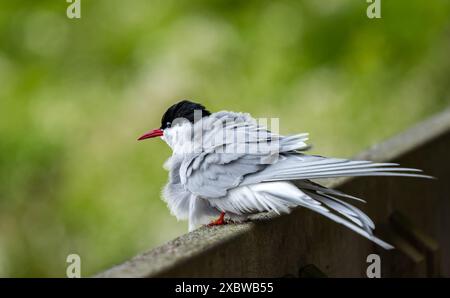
x=168 y=124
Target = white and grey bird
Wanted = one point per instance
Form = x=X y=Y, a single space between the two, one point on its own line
x=226 y=164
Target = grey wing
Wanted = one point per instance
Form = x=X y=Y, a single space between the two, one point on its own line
x=214 y=179
x=223 y=164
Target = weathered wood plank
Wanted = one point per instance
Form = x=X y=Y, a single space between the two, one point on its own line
x=281 y=246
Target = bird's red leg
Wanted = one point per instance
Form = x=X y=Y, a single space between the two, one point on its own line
x=218 y=222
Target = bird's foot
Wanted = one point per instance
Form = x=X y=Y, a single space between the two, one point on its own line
x=218 y=222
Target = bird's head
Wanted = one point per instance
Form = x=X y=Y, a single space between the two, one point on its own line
x=182 y=112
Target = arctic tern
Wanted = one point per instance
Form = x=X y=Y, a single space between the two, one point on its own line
x=225 y=163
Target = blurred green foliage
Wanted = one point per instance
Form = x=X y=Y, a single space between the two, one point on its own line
x=75 y=94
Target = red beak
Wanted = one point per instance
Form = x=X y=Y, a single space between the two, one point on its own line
x=151 y=134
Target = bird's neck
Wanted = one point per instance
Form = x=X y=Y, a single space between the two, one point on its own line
x=180 y=138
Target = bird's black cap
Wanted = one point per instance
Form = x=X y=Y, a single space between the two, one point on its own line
x=183 y=109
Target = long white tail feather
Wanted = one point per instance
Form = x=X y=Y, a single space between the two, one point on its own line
x=297 y=167
x=342 y=171
x=353 y=218
x=354 y=227
x=309 y=185
x=328 y=167
x=344 y=207
x=350 y=174
x=279 y=197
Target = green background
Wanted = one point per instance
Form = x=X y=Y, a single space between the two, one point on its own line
x=76 y=93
